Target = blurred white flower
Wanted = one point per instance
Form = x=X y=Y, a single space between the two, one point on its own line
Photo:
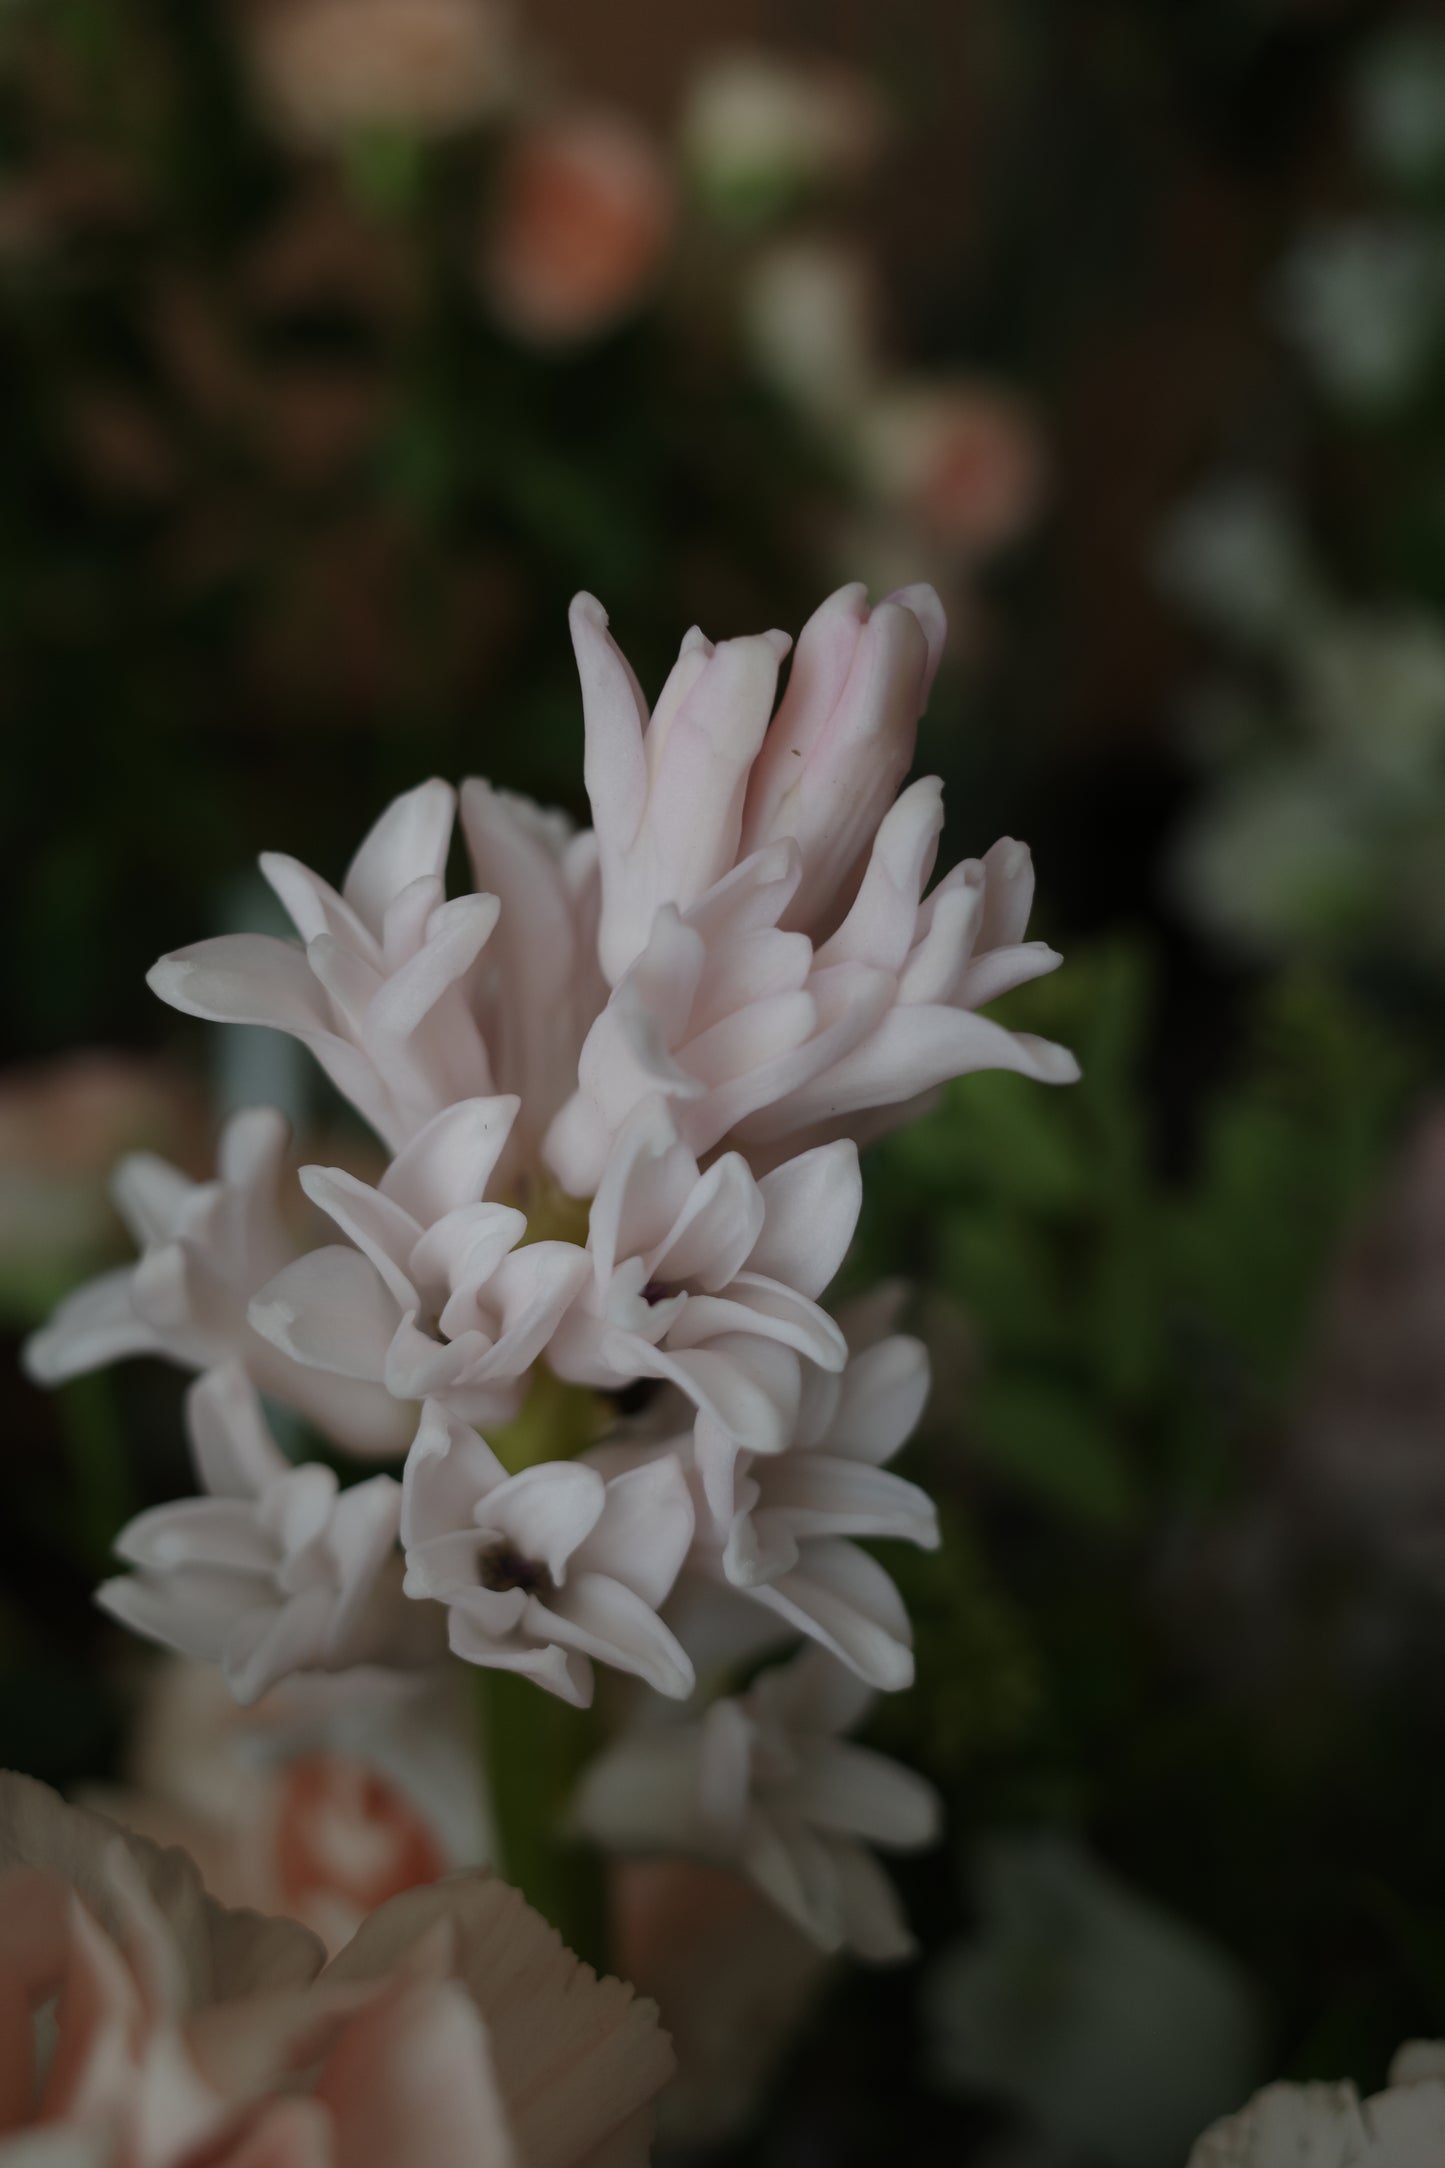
x=766 y=1783
x=330 y=69
x=1366 y=302
x=545 y=1570
x=274 y=1568
x=1281 y=856
x=809 y=312
x=760 y=130
x=1399 y=101
x=1373 y=687
x=206 y=1248
x=1117 y=2028
x=1329 y=2126
x=1234 y=555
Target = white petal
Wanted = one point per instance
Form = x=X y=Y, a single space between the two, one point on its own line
x=331 y=1309
x=563 y=1672
x=408 y=843
x=645 y=1530
x=547 y=1511
x=843 y=1599
x=96 y=1325
x=601 y=1617
x=884 y=1391
x=380 y=1229
x=854 y=1792
x=235 y=1454
x=812 y=1205
x=451 y=1160
x=823 y=1496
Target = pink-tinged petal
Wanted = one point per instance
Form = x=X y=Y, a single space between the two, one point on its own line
x=408 y=843
x=644 y=1532
x=408 y=917
x=854 y=1792
x=411 y=2078
x=287 y=2134
x=849 y=1001
x=764 y=1033
x=395 y=1039
x=191 y=1612
x=330 y=1309
x=767 y=1309
x=822 y=661
x=547 y=1511
x=760 y=1547
x=914 y=1049
x=380 y=1229
x=615 y=713
x=448 y=1471
x=872 y=1917
x=743 y=1406
x=563 y=1672
x=234 y=1453
x=842 y=1598
x=451 y=1160
x=263 y=1647
x=314 y=907
x=824 y=1496
x=885 y=1390
x=417 y=1366
x=94 y=1326
x=462 y=1250
x=219 y=1532
x=879 y=929
x=748 y=968
x=999 y=971
x=1008 y=871
x=531 y=1288
x=578 y=2058
x=350 y=981
x=710 y=1240
x=699 y=779
x=244 y=978
x=937 y=965
x=812 y=1205
x=604 y=1618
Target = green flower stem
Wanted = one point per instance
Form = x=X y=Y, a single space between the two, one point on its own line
x=533 y=1750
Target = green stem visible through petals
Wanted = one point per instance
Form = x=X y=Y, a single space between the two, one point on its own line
x=533 y=1750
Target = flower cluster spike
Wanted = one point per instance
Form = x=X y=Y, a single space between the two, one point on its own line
x=622 y=1085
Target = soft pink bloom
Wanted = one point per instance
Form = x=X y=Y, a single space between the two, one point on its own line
x=1320 y=2125
x=206 y=1248
x=273 y=1568
x=584 y=215
x=960 y=461
x=766 y=1783
x=436 y=1293
x=758 y=1039
x=543 y=1571
x=333 y=68
x=381 y=990
x=454 y=2029
x=708 y=1279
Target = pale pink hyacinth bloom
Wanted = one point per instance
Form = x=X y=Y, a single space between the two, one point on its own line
x=760 y=127
x=147 y=2027
x=708 y=1279
x=380 y=990
x=206 y=1248
x=767 y=1784
x=274 y=1568
x=1330 y=2126
x=438 y=1294
x=585 y=210
x=333 y=68
x=545 y=1571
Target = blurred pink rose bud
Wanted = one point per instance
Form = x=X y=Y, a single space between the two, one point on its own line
x=843 y=740
x=961 y=461
x=330 y=69
x=760 y=130
x=585 y=212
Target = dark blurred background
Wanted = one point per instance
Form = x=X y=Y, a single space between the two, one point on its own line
x=343 y=340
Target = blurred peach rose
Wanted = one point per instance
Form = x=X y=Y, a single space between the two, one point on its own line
x=761 y=129
x=961 y=460
x=143 y=2026
x=63 y=1124
x=732 y=1978
x=322 y=1801
x=584 y=214
x=330 y=69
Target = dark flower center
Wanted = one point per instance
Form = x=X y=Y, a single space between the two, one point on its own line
x=504 y=1567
